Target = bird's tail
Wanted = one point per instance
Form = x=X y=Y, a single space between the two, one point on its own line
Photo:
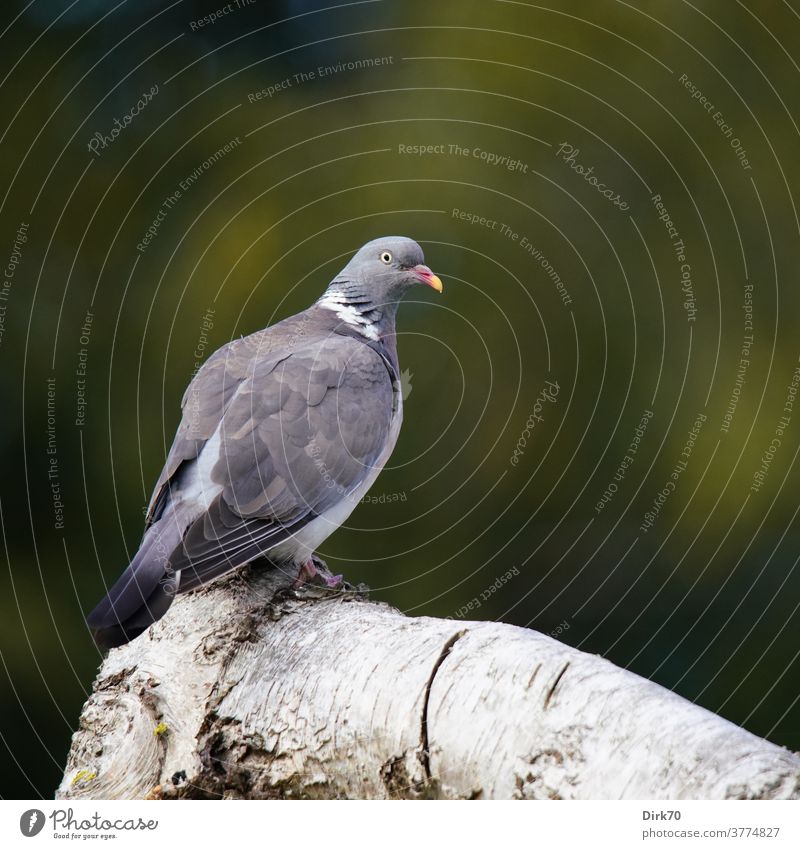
x=152 y=609
x=144 y=591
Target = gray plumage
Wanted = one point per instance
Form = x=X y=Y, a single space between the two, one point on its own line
x=282 y=433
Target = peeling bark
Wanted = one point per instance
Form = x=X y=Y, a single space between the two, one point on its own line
x=247 y=690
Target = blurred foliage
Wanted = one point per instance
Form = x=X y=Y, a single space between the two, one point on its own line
x=704 y=602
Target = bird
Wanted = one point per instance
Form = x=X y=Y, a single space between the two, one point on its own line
x=282 y=433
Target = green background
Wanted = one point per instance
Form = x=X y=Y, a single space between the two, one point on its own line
x=706 y=600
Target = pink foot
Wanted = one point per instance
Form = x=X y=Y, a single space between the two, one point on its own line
x=311 y=572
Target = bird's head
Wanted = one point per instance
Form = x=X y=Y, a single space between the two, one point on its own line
x=365 y=293
x=390 y=266
x=384 y=269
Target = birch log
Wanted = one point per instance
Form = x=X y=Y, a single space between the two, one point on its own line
x=244 y=690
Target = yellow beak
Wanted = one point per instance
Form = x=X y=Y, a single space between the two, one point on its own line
x=425 y=275
x=436 y=283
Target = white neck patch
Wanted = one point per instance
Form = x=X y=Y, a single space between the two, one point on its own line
x=350 y=315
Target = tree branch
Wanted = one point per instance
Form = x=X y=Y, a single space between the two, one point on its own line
x=244 y=691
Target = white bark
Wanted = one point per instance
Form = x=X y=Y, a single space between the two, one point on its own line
x=240 y=692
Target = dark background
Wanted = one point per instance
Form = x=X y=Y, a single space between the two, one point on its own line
x=706 y=601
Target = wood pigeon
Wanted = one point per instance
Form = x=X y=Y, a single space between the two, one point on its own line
x=282 y=434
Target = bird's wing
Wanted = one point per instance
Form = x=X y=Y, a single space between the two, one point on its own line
x=297 y=437
x=204 y=404
x=207 y=398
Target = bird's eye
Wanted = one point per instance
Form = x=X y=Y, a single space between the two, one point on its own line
x=386 y=257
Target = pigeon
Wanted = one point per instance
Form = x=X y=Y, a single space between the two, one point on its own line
x=282 y=434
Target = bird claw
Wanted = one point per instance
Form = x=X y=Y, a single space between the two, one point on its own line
x=315 y=571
